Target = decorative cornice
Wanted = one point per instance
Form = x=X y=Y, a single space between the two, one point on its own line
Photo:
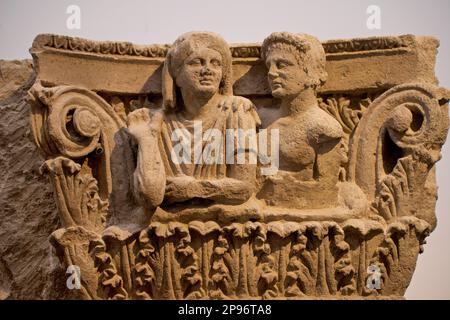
x=364 y=44
x=237 y=50
x=100 y=47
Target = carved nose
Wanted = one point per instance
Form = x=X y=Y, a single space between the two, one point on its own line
x=206 y=69
x=272 y=73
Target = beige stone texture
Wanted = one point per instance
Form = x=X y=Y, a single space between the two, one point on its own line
x=29 y=268
x=124 y=184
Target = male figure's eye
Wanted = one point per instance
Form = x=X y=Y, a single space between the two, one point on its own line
x=281 y=64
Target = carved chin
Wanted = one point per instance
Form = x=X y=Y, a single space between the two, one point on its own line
x=278 y=92
x=206 y=89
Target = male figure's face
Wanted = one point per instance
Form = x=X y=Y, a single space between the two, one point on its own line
x=201 y=72
x=286 y=77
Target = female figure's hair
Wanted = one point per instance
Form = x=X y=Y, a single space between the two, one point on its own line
x=307 y=49
x=181 y=49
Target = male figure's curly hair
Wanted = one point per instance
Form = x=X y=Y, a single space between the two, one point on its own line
x=307 y=49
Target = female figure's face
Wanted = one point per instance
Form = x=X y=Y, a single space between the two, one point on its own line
x=286 y=77
x=201 y=72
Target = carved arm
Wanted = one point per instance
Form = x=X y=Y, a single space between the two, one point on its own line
x=149 y=177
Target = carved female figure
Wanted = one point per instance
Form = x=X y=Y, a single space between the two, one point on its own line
x=198 y=108
x=309 y=157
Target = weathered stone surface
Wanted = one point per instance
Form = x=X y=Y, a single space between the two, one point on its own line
x=28 y=268
x=14 y=75
x=342 y=212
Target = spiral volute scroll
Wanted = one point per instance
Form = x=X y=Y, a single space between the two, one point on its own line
x=411 y=117
x=73 y=127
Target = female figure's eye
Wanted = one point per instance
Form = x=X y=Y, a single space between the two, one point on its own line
x=195 y=61
x=215 y=62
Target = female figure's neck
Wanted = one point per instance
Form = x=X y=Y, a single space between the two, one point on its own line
x=196 y=105
x=300 y=103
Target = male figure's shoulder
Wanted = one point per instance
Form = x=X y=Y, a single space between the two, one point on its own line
x=322 y=127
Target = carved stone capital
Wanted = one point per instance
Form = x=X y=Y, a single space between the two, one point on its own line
x=360 y=122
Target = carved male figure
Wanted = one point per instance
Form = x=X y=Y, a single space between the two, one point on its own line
x=309 y=137
x=313 y=233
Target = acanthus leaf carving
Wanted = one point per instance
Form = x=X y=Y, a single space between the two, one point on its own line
x=352 y=170
x=396 y=256
x=77 y=195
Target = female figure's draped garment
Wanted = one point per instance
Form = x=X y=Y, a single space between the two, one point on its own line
x=175 y=124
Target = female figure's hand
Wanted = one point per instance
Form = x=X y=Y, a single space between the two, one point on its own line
x=225 y=190
x=236 y=103
x=144 y=122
